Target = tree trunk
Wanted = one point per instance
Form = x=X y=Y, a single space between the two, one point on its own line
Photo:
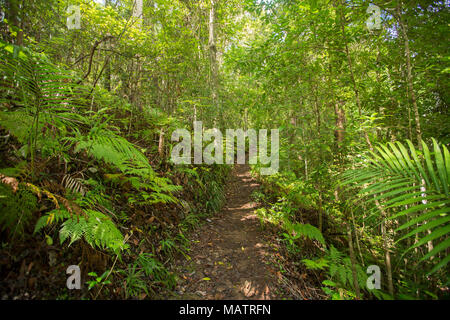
x=14 y=9
x=409 y=78
x=412 y=95
x=108 y=63
x=352 y=75
x=353 y=261
x=213 y=60
x=137 y=12
x=340 y=120
x=161 y=144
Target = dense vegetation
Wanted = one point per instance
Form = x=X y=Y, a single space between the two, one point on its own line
x=87 y=115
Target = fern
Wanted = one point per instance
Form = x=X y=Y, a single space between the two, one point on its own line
x=340 y=269
x=97 y=229
x=298 y=230
x=16 y=209
x=320 y=264
x=43 y=95
x=55 y=216
x=18 y=123
x=74 y=184
x=105 y=145
x=155 y=269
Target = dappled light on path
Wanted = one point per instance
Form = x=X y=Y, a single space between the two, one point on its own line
x=230 y=257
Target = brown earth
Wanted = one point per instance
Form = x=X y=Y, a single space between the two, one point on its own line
x=230 y=256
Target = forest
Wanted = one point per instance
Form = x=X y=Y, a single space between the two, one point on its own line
x=118 y=175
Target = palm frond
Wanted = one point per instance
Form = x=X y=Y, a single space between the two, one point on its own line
x=411 y=186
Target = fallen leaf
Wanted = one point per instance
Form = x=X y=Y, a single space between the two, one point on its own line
x=12 y=182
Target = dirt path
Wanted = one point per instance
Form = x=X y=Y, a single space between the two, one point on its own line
x=231 y=251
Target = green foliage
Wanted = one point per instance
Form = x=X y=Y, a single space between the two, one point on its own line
x=135 y=284
x=97 y=229
x=98 y=280
x=55 y=216
x=190 y=221
x=413 y=188
x=156 y=270
x=16 y=209
x=104 y=145
x=320 y=263
x=340 y=269
x=144 y=274
x=270 y=215
x=43 y=95
x=297 y=230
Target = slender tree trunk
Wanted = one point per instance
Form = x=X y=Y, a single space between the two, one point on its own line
x=387 y=257
x=139 y=15
x=137 y=12
x=412 y=94
x=340 y=120
x=409 y=77
x=161 y=144
x=380 y=106
x=353 y=261
x=108 y=64
x=306 y=168
x=317 y=109
x=14 y=8
x=213 y=60
x=320 y=212
x=358 y=246
x=355 y=86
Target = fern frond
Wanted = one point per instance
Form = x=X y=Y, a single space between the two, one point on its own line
x=304 y=230
x=97 y=229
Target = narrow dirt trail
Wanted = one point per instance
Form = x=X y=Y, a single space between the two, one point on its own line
x=231 y=251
